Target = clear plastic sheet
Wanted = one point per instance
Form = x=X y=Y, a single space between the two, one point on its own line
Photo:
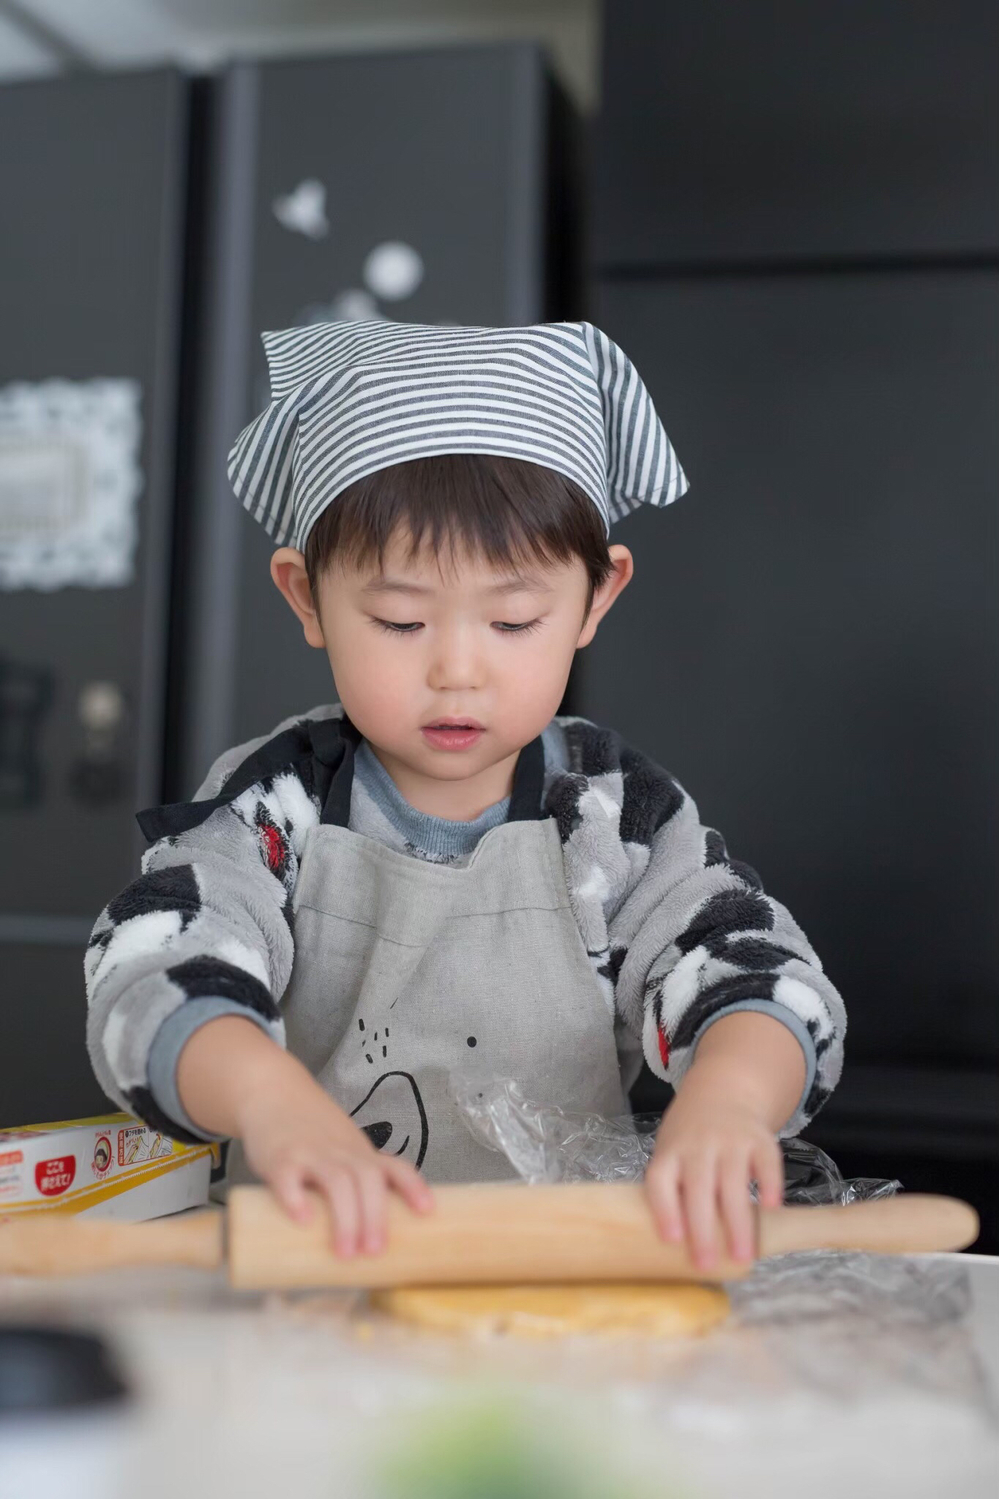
x=545 y=1144
x=845 y=1326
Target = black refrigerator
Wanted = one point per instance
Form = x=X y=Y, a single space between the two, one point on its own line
x=92 y=211
x=153 y=226
x=434 y=186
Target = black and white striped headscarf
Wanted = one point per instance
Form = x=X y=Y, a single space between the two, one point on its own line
x=350 y=398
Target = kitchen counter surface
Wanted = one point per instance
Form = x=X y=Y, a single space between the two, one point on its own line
x=307 y=1395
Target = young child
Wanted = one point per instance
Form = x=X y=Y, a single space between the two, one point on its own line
x=436 y=871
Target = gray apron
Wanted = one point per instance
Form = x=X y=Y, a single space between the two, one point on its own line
x=407 y=971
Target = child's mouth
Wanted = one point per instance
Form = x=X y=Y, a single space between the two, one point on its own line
x=452 y=736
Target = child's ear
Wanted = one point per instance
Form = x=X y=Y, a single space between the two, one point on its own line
x=291 y=579
x=605 y=595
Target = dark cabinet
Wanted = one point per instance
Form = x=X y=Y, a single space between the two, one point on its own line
x=811 y=639
x=797 y=130
x=796 y=237
x=92 y=188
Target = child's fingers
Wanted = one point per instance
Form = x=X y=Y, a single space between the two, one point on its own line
x=663 y=1190
x=289 y=1187
x=698 y=1193
x=339 y=1187
x=768 y=1168
x=371 y=1190
x=737 y=1207
x=410 y=1185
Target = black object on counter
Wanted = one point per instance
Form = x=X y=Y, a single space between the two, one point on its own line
x=45 y=1369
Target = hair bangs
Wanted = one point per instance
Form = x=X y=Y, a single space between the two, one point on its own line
x=505 y=511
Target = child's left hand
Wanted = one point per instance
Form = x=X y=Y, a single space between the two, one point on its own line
x=720 y=1133
x=707 y=1153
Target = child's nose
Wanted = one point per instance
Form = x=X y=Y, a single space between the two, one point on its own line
x=456 y=662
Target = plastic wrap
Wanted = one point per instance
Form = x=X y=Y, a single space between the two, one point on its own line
x=545 y=1144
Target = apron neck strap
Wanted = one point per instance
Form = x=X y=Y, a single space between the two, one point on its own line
x=525 y=798
x=336 y=808
x=528 y=783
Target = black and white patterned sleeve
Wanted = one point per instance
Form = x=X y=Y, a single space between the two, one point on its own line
x=679 y=933
x=697 y=937
x=208 y=919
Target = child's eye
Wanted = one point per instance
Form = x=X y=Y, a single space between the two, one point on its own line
x=395 y=629
x=525 y=629
x=410 y=629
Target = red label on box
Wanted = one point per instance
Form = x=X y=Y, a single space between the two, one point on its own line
x=55 y=1176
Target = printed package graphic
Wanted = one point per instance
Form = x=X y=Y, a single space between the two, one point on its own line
x=110 y=1166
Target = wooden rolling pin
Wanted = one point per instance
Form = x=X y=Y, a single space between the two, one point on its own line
x=476 y=1234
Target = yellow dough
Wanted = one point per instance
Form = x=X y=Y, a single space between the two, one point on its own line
x=551 y=1311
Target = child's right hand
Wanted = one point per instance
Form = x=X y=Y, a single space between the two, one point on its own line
x=234 y=1080
x=308 y=1141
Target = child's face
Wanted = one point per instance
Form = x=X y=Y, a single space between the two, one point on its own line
x=422 y=640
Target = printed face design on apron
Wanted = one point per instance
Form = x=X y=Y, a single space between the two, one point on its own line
x=392 y=1116
x=407 y=971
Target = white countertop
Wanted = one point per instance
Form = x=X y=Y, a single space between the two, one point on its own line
x=303 y=1396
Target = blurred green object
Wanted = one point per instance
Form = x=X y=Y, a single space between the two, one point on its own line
x=495 y=1450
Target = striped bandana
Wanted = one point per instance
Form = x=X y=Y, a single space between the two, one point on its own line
x=350 y=398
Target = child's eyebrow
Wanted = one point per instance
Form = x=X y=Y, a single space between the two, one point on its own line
x=382 y=584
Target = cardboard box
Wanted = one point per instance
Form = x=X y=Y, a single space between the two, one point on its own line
x=111 y=1166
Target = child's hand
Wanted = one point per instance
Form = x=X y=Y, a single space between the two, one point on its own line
x=308 y=1141
x=707 y=1152
x=233 y=1080
x=710 y=1145
x=720 y=1133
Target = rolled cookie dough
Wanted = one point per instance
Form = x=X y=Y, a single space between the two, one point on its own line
x=551 y=1311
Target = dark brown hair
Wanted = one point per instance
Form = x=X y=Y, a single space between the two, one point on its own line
x=504 y=510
